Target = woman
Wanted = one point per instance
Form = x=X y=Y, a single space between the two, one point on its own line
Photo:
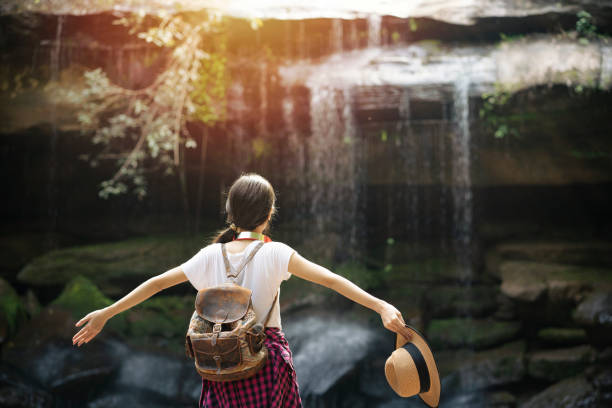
x=250 y=207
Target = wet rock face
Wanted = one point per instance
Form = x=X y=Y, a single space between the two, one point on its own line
x=555 y=365
x=17 y=391
x=112 y=265
x=470 y=333
x=547 y=293
x=595 y=315
x=573 y=392
x=465 y=371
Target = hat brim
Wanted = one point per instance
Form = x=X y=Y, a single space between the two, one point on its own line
x=432 y=396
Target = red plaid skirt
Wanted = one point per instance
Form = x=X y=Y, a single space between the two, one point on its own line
x=274 y=386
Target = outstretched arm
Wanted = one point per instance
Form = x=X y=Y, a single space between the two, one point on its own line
x=391 y=317
x=98 y=318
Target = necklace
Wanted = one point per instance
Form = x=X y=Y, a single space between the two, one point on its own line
x=252 y=235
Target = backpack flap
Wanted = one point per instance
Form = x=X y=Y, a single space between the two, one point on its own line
x=223 y=304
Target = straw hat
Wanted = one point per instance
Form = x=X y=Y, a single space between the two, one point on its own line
x=411 y=369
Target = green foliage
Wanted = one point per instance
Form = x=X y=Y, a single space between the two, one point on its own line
x=153 y=121
x=509 y=38
x=413 y=24
x=12 y=309
x=584 y=26
x=492 y=105
x=359 y=274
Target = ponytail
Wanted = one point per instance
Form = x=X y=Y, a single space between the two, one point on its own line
x=224 y=235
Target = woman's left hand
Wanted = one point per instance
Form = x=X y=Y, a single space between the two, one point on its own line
x=96 y=321
x=392 y=319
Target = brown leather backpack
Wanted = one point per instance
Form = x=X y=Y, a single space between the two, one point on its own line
x=224 y=336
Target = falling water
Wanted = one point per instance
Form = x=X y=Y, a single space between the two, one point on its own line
x=332 y=162
x=301 y=41
x=263 y=100
x=236 y=127
x=336 y=36
x=374 y=23
x=294 y=172
x=462 y=181
x=353 y=36
x=52 y=206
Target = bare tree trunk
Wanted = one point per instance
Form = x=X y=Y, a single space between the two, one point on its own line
x=199 y=200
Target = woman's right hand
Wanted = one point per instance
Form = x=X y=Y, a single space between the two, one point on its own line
x=95 y=322
x=392 y=320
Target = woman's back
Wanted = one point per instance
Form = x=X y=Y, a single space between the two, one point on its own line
x=263 y=274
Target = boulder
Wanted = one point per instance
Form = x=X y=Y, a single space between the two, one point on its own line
x=170 y=377
x=323 y=342
x=546 y=292
x=569 y=393
x=133 y=397
x=562 y=336
x=595 y=315
x=114 y=267
x=431 y=270
x=493 y=399
x=72 y=372
x=16 y=250
x=160 y=324
x=584 y=253
x=81 y=296
x=472 y=333
x=466 y=370
x=454 y=300
x=555 y=365
x=18 y=391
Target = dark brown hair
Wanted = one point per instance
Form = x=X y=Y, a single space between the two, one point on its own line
x=249 y=202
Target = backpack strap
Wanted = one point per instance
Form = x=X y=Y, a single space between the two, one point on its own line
x=228 y=266
x=270 y=311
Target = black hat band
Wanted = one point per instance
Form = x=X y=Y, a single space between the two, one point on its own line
x=421 y=366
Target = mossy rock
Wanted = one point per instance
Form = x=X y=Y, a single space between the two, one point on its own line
x=16 y=250
x=161 y=316
x=562 y=336
x=527 y=281
x=113 y=267
x=12 y=310
x=584 y=253
x=81 y=296
x=455 y=300
x=361 y=275
x=557 y=364
x=471 y=333
x=432 y=270
x=569 y=393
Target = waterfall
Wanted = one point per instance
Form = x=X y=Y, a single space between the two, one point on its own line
x=462 y=181
x=262 y=127
x=331 y=173
x=336 y=37
x=294 y=171
x=353 y=36
x=239 y=146
x=52 y=193
x=462 y=200
x=374 y=23
x=302 y=46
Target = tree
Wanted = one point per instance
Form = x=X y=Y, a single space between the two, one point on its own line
x=146 y=129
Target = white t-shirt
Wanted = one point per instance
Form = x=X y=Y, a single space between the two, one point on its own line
x=263 y=274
